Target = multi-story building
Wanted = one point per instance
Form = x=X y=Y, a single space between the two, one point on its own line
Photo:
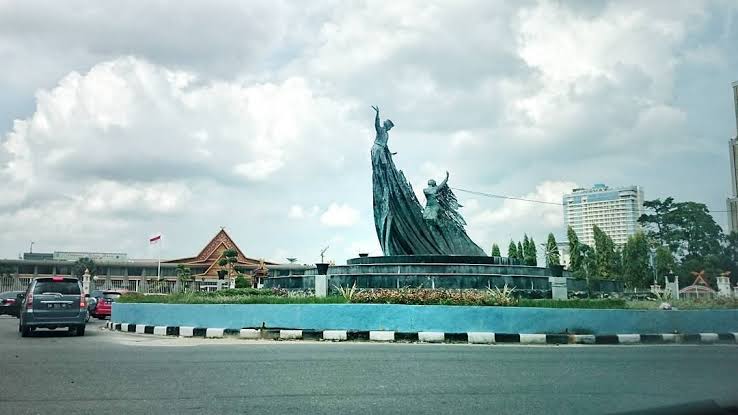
x=732 y=201
x=614 y=210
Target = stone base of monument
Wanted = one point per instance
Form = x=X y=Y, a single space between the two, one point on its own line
x=435 y=271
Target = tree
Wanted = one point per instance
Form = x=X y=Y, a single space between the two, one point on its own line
x=228 y=261
x=604 y=253
x=552 y=251
x=242 y=282
x=184 y=274
x=531 y=256
x=659 y=221
x=526 y=249
x=82 y=264
x=636 y=269
x=617 y=264
x=663 y=261
x=512 y=250
x=495 y=250
x=698 y=234
x=575 y=261
x=521 y=253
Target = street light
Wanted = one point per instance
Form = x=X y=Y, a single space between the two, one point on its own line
x=30 y=251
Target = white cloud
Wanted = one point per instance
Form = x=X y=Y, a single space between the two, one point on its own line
x=155 y=125
x=341 y=215
x=549 y=214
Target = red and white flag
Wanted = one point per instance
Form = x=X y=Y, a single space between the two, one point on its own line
x=155 y=239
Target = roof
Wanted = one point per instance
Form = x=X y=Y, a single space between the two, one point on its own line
x=211 y=252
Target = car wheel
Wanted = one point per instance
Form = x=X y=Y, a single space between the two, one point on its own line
x=25 y=331
x=81 y=330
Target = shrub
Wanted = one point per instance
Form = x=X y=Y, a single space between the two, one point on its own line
x=575 y=303
x=242 y=282
x=502 y=297
x=424 y=296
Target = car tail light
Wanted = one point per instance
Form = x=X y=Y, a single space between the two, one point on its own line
x=82 y=303
x=10 y=301
x=57 y=279
x=29 y=301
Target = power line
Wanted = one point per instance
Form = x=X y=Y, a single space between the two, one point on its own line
x=532 y=200
x=505 y=197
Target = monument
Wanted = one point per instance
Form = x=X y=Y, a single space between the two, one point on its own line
x=425 y=246
x=403 y=226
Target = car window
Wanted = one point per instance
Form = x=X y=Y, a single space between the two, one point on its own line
x=63 y=287
x=111 y=296
x=9 y=294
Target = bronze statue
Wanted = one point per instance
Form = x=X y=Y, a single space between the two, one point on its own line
x=403 y=226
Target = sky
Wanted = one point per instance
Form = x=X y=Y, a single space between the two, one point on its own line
x=122 y=120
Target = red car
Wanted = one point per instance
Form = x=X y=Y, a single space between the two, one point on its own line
x=104 y=304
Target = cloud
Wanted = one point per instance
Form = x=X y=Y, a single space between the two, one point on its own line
x=341 y=215
x=114 y=123
x=549 y=214
x=296 y=212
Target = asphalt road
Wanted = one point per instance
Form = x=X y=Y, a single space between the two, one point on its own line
x=106 y=372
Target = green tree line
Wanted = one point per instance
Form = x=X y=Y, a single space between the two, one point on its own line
x=676 y=237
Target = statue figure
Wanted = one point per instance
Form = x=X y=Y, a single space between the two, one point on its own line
x=403 y=226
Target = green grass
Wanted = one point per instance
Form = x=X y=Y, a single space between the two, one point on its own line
x=607 y=303
x=226 y=299
x=694 y=304
x=216 y=298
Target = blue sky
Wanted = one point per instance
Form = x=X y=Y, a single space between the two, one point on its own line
x=117 y=122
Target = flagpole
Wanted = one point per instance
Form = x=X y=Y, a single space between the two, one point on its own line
x=158 y=268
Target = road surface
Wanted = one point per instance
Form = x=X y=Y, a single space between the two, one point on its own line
x=114 y=373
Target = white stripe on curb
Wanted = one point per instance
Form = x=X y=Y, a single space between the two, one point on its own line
x=140 y=328
x=335 y=335
x=584 y=339
x=214 y=333
x=251 y=334
x=669 y=338
x=735 y=337
x=532 y=338
x=160 y=330
x=479 y=337
x=382 y=336
x=290 y=334
x=629 y=338
x=431 y=336
x=709 y=337
x=124 y=327
x=186 y=331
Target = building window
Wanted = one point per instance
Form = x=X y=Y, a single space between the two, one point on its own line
x=45 y=269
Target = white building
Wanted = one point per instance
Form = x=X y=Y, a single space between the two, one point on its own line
x=732 y=201
x=614 y=210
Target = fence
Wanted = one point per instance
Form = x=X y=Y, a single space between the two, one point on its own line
x=14 y=284
x=116 y=284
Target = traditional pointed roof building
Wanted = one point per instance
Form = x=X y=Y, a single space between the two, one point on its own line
x=208 y=257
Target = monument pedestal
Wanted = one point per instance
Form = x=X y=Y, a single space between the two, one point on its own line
x=558 y=288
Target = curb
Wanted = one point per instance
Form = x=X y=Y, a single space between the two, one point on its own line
x=428 y=337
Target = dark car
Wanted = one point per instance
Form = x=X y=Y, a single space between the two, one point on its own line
x=52 y=302
x=9 y=303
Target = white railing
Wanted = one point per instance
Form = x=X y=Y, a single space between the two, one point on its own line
x=14 y=284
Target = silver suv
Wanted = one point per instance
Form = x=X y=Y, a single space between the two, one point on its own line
x=52 y=302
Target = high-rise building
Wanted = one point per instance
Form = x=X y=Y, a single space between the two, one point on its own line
x=614 y=210
x=732 y=201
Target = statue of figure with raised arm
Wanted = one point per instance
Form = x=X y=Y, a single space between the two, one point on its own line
x=403 y=226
